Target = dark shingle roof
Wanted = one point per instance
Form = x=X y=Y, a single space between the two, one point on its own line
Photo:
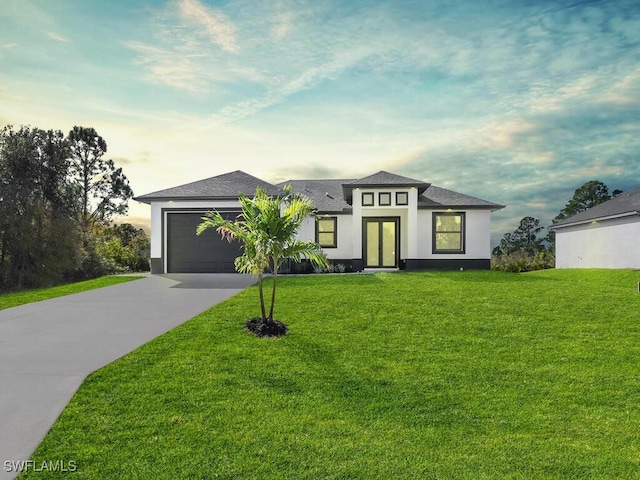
x=329 y=196
x=622 y=205
x=226 y=186
x=326 y=195
x=383 y=178
x=437 y=197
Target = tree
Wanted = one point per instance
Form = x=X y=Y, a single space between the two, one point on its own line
x=101 y=189
x=590 y=194
x=267 y=229
x=524 y=238
x=38 y=239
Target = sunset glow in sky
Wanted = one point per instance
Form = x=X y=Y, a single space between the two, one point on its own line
x=516 y=102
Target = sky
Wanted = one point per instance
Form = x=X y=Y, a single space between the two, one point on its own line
x=516 y=102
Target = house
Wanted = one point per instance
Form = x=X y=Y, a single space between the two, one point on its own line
x=604 y=236
x=380 y=221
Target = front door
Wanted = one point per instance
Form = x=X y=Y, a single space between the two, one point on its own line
x=381 y=243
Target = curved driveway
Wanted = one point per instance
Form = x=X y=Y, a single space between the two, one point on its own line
x=48 y=348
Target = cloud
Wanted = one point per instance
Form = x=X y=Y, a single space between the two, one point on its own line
x=305 y=80
x=57 y=37
x=213 y=23
x=164 y=66
x=185 y=53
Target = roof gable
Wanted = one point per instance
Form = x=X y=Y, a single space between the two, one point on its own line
x=382 y=179
x=624 y=204
x=225 y=186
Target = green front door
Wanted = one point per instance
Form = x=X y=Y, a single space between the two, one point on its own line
x=380 y=242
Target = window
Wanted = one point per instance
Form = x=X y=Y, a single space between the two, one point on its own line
x=384 y=199
x=448 y=233
x=402 y=198
x=367 y=199
x=327 y=232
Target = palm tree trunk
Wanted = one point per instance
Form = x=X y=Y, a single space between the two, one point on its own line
x=273 y=290
x=262 y=309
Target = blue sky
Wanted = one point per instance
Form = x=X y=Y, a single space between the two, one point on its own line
x=517 y=102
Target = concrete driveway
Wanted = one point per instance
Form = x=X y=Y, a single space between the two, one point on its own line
x=48 y=348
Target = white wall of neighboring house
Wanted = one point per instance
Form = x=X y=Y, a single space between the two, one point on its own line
x=613 y=243
x=477 y=235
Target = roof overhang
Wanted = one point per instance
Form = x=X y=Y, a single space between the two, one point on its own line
x=148 y=200
x=594 y=220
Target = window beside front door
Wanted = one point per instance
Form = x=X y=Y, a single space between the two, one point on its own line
x=448 y=232
x=327 y=232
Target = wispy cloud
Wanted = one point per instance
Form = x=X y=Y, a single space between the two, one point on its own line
x=165 y=66
x=213 y=23
x=57 y=37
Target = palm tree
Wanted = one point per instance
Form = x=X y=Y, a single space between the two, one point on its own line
x=267 y=229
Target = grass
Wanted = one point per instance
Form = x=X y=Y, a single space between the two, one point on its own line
x=478 y=375
x=8 y=300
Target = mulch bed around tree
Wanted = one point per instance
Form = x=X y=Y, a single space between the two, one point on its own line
x=265 y=328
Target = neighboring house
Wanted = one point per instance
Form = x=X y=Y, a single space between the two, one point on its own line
x=604 y=236
x=380 y=221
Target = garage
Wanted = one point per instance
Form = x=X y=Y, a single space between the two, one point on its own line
x=189 y=253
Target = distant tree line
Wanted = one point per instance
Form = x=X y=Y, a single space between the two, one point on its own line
x=58 y=197
x=527 y=249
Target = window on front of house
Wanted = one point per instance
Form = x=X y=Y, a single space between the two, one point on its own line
x=367 y=199
x=402 y=198
x=448 y=232
x=327 y=232
x=384 y=199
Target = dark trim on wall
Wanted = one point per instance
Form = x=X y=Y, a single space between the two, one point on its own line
x=447 y=264
x=357 y=264
x=157 y=266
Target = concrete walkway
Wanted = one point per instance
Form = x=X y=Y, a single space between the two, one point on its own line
x=48 y=348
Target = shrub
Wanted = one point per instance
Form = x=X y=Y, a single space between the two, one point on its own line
x=519 y=261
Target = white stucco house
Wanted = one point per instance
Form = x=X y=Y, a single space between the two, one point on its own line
x=380 y=221
x=604 y=236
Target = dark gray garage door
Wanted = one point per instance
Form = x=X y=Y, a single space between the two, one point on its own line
x=190 y=253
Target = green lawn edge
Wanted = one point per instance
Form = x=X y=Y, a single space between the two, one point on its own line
x=14 y=299
x=395 y=375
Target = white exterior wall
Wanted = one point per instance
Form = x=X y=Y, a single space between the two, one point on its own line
x=611 y=243
x=415 y=227
x=407 y=213
x=477 y=235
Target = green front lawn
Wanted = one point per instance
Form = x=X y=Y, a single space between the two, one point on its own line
x=8 y=300
x=393 y=376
